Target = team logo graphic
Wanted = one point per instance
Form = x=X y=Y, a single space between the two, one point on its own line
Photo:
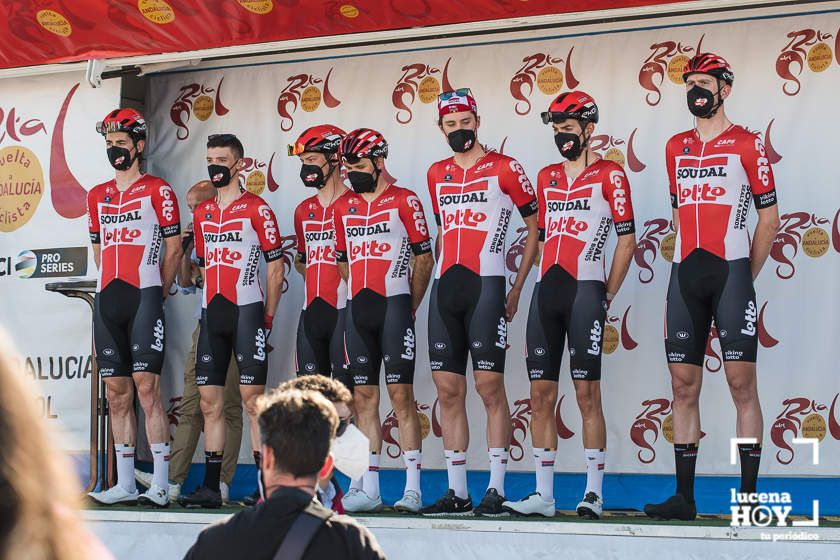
x=803 y=417
x=654 y=420
x=304 y=91
x=543 y=71
x=668 y=58
x=198 y=100
x=258 y=174
x=419 y=80
x=610 y=148
x=805 y=229
x=613 y=337
x=657 y=238
x=754 y=325
x=156 y=11
x=390 y=429
x=806 y=48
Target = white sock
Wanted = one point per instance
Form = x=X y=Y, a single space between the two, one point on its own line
x=160 y=456
x=456 y=471
x=125 y=466
x=544 y=470
x=371 y=477
x=356 y=483
x=498 y=465
x=595 y=470
x=412 y=461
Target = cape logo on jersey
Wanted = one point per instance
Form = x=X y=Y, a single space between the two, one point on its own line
x=806 y=48
x=612 y=338
x=714 y=361
x=418 y=80
x=805 y=229
x=668 y=57
x=806 y=418
x=654 y=419
x=610 y=148
x=258 y=174
x=542 y=70
x=304 y=91
x=657 y=237
x=390 y=429
x=199 y=100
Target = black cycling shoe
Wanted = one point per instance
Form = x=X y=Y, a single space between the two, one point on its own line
x=491 y=505
x=675 y=507
x=449 y=504
x=203 y=497
x=251 y=501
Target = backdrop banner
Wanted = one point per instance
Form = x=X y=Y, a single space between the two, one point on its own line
x=50 y=154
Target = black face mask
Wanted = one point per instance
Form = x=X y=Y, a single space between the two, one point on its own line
x=120 y=157
x=569 y=145
x=701 y=102
x=312 y=175
x=461 y=140
x=363 y=182
x=219 y=174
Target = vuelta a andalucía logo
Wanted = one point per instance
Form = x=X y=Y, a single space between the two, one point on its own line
x=258 y=174
x=615 y=337
x=654 y=420
x=806 y=48
x=713 y=360
x=305 y=91
x=21 y=175
x=667 y=58
x=419 y=81
x=199 y=100
x=544 y=72
x=808 y=230
x=805 y=418
x=618 y=149
x=657 y=238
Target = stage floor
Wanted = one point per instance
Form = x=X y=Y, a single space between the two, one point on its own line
x=136 y=533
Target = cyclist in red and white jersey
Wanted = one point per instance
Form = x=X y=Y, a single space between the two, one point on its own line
x=473 y=195
x=715 y=171
x=378 y=229
x=580 y=201
x=234 y=230
x=131 y=217
x=320 y=344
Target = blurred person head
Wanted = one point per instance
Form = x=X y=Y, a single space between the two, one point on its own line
x=39 y=494
x=297 y=429
x=198 y=193
x=335 y=391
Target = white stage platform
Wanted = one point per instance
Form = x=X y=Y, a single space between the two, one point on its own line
x=144 y=534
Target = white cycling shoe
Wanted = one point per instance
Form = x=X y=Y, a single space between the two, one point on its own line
x=532 y=505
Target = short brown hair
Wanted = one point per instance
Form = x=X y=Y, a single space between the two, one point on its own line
x=299 y=427
x=334 y=390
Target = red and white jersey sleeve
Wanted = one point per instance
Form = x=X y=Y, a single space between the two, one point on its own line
x=474 y=206
x=576 y=218
x=130 y=226
x=316 y=248
x=377 y=239
x=230 y=243
x=713 y=185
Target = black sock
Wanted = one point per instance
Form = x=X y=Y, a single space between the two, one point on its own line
x=685 y=457
x=750 y=458
x=258 y=462
x=212 y=469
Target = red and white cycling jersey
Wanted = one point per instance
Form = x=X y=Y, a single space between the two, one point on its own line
x=228 y=244
x=316 y=246
x=575 y=220
x=473 y=208
x=711 y=184
x=377 y=238
x=131 y=225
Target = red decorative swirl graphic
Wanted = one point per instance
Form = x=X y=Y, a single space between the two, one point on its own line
x=68 y=196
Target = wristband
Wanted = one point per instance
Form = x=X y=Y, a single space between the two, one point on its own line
x=610 y=296
x=268 y=321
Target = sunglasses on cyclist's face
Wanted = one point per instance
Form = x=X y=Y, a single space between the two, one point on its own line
x=460 y=92
x=343 y=423
x=556 y=118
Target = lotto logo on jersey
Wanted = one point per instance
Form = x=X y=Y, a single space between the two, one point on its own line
x=222 y=256
x=121 y=235
x=619 y=192
x=565 y=225
x=269 y=225
x=701 y=193
x=463 y=218
x=320 y=254
x=168 y=202
x=368 y=249
x=417 y=215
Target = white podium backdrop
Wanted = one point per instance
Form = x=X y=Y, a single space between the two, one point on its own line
x=787 y=76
